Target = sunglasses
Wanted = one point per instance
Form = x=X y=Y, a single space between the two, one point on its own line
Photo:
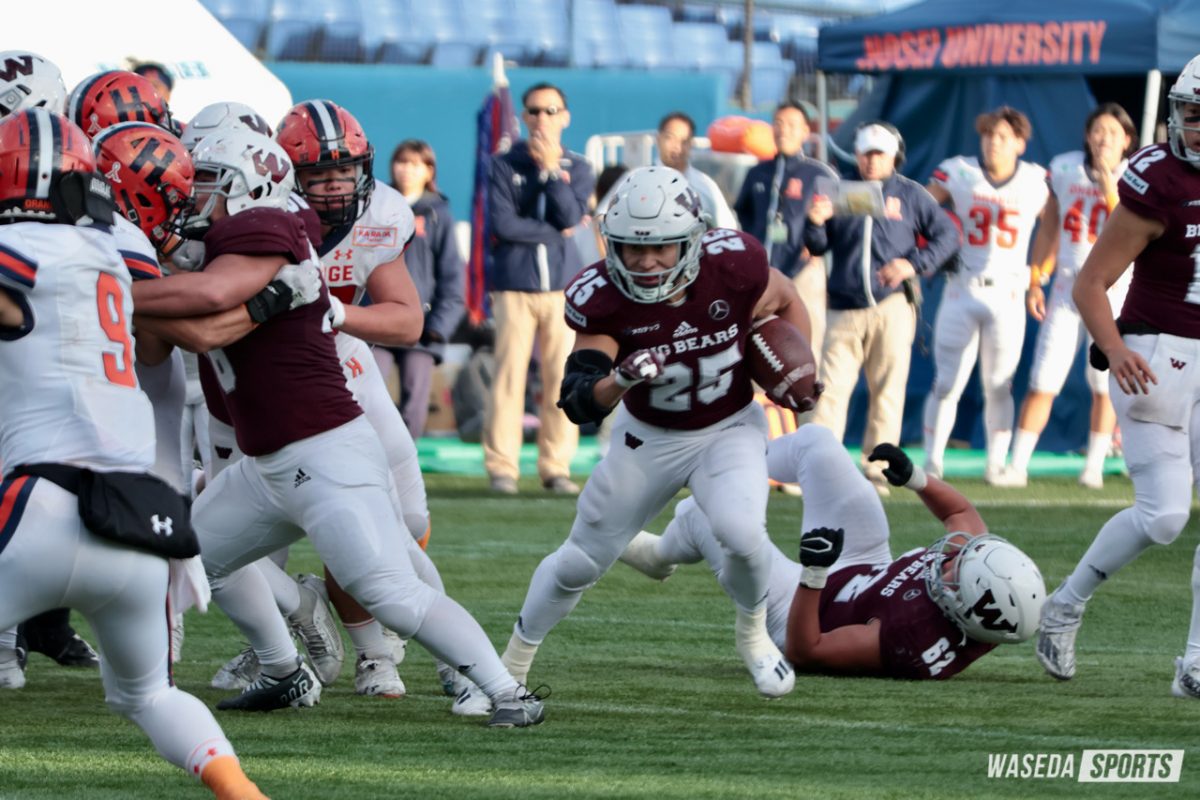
x=549 y=111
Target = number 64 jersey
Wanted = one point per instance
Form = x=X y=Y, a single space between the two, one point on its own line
x=67 y=383
x=702 y=339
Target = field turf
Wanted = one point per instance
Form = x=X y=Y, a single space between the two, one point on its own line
x=649 y=698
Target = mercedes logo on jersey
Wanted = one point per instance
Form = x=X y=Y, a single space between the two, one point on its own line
x=718 y=309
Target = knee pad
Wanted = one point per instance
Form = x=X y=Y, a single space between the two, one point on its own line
x=132 y=697
x=738 y=535
x=574 y=569
x=399 y=604
x=417 y=524
x=1163 y=527
x=784 y=453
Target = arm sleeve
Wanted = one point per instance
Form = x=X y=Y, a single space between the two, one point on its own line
x=17 y=270
x=447 y=304
x=506 y=221
x=943 y=236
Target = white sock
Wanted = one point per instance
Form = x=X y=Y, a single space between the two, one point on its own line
x=1023 y=444
x=750 y=633
x=367 y=638
x=245 y=597
x=939 y=422
x=997 y=447
x=1193 y=642
x=1097 y=451
x=1118 y=543
x=518 y=657
x=8 y=639
x=283 y=587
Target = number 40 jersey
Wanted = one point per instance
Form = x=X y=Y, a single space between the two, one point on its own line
x=67 y=382
x=702 y=340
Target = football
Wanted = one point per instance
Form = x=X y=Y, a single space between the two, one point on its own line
x=780 y=360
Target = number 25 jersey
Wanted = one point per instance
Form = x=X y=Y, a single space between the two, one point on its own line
x=67 y=383
x=702 y=340
x=997 y=219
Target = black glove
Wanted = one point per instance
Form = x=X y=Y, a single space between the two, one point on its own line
x=900 y=467
x=275 y=298
x=1096 y=358
x=821 y=547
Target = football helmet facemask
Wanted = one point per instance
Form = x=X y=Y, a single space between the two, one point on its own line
x=246 y=168
x=653 y=206
x=38 y=150
x=222 y=116
x=151 y=174
x=108 y=98
x=29 y=81
x=319 y=134
x=1185 y=91
x=987 y=587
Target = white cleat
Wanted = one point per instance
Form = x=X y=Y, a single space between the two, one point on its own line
x=398 y=645
x=1187 y=679
x=377 y=677
x=317 y=629
x=12 y=668
x=1056 y=636
x=522 y=709
x=773 y=675
x=472 y=702
x=239 y=672
x=1006 y=477
x=642 y=555
x=1091 y=480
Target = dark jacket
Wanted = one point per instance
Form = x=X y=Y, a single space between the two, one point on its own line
x=796 y=190
x=437 y=270
x=911 y=212
x=529 y=251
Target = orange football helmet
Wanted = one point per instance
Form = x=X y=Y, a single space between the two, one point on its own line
x=319 y=134
x=37 y=149
x=108 y=98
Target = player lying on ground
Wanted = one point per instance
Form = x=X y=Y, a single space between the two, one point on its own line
x=848 y=607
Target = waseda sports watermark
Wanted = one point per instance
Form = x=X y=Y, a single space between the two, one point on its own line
x=1091 y=766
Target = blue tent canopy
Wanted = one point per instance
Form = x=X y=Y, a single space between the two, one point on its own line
x=1018 y=37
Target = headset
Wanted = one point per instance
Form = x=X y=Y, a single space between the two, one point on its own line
x=890 y=128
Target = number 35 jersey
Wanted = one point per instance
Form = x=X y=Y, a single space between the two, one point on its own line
x=997 y=220
x=67 y=383
x=702 y=340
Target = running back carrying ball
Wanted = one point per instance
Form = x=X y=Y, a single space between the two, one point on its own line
x=781 y=361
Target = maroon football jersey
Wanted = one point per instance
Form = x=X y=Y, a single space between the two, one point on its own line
x=282 y=382
x=916 y=640
x=702 y=339
x=1165 y=291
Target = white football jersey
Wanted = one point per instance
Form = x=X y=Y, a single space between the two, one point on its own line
x=997 y=220
x=377 y=237
x=67 y=382
x=139 y=255
x=1082 y=209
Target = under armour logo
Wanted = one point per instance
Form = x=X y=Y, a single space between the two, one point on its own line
x=162 y=527
x=337 y=254
x=301 y=477
x=1178 y=364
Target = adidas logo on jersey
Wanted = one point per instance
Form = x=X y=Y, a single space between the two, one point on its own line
x=685 y=329
x=301 y=477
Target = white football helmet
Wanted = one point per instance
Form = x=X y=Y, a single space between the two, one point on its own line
x=650 y=206
x=246 y=168
x=223 y=116
x=29 y=81
x=987 y=587
x=1186 y=89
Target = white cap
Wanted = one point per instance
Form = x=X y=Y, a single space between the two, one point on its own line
x=876 y=138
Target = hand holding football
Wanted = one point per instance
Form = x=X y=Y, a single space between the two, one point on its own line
x=780 y=360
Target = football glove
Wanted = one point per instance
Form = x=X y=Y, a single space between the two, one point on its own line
x=643 y=365
x=900 y=470
x=819 y=549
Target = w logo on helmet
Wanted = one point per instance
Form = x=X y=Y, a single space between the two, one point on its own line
x=16 y=66
x=255 y=123
x=990 y=615
x=269 y=164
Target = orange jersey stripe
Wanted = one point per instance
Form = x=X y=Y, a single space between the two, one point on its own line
x=19 y=269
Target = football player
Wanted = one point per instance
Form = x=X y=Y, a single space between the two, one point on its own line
x=106 y=98
x=998 y=198
x=365 y=229
x=848 y=607
x=313 y=465
x=73 y=408
x=1152 y=352
x=30 y=82
x=1083 y=192
x=662 y=324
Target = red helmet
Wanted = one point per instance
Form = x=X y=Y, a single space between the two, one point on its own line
x=37 y=149
x=151 y=175
x=107 y=98
x=319 y=134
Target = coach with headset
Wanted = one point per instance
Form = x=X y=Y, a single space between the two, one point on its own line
x=873 y=263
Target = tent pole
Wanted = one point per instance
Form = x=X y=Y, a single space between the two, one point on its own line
x=822 y=113
x=1150 y=106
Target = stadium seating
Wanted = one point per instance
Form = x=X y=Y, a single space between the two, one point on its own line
x=295 y=25
x=245 y=19
x=646 y=32
x=342 y=32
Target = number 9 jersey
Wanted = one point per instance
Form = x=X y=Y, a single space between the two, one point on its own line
x=702 y=339
x=67 y=382
x=997 y=220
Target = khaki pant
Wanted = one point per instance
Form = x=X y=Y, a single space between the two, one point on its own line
x=810 y=285
x=879 y=341
x=519 y=317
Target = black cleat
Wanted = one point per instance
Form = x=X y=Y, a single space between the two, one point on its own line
x=300 y=689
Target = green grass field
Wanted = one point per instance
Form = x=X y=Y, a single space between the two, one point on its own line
x=649 y=696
